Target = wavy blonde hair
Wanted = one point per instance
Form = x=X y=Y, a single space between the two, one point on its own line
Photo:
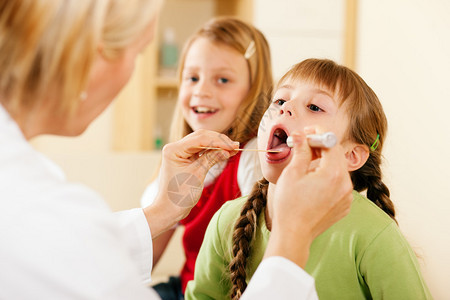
x=238 y=35
x=49 y=46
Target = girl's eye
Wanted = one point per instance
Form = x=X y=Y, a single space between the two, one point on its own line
x=223 y=80
x=279 y=102
x=314 y=107
x=191 y=78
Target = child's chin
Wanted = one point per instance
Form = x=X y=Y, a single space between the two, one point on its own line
x=271 y=176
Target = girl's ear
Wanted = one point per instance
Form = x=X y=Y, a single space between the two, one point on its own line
x=357 y=156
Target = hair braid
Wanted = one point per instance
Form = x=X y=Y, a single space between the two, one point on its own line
x=243 y=235
x=369 y=177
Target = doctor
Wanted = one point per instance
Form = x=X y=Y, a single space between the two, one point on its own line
x=62 y=62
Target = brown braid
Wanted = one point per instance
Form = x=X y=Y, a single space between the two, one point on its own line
x=369 y=177
x=243 y=235
x=367 y=120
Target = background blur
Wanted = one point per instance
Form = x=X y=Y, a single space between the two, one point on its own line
x=401 y=49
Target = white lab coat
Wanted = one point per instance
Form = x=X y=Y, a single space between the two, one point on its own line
x=59 y=240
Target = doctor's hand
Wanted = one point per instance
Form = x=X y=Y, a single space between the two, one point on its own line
x=183 y=169
x=308 y=201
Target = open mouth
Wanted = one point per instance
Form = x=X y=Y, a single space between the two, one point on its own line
x=204 y=110
x=278 y=142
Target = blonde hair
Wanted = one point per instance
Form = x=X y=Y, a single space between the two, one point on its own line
x=50 y=46
x=239 y=36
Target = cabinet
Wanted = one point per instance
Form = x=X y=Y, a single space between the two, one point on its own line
x=143 y=110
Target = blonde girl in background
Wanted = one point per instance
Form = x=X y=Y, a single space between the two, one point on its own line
x=225 y=86
x=363 y=256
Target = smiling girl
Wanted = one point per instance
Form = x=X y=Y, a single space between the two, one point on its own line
x=363 y=256
x=225 y=86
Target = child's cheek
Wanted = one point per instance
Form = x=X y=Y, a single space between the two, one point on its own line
x=314 y=164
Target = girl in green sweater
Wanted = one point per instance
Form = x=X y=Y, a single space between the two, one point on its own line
x=363 y=256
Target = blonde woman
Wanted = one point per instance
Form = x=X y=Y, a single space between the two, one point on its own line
x=61 y=64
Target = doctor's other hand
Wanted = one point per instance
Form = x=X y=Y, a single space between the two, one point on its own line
x=183 y=169
x=307 y=202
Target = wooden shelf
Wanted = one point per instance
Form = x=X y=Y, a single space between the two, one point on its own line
x=166 y=82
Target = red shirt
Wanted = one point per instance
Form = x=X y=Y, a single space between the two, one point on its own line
x=224 y=188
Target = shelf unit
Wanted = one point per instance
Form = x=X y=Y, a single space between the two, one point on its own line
x=166 y=82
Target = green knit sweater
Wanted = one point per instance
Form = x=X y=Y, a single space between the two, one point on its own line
x=363 y=256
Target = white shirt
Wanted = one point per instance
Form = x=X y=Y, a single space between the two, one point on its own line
x=59 y=240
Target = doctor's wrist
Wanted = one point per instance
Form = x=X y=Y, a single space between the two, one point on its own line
x=289 y=244
x=163 y=215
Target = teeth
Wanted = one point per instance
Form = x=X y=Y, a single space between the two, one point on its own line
x=202 y=109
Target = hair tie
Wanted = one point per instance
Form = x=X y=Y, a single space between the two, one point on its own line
x=250 y=50
x=375 y=144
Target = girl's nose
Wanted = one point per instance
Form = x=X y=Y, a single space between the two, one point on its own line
x=286 y=109
x=202 y=89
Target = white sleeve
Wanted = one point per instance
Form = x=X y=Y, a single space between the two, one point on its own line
x=279 y=278
x=150 y=193
x=249 y=170
x=66 y=244
x=136 y=233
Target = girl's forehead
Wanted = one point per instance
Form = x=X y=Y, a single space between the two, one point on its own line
x=210 y=42
x=214 y=52
x=301 y=83
x=291 y=84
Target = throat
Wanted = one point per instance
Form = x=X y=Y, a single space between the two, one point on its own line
x=268 y=219
x=268 y=212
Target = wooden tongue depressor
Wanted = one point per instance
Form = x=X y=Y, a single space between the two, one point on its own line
x=255 y=150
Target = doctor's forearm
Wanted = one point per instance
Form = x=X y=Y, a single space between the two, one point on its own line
x=289 y=245
x=163 y=214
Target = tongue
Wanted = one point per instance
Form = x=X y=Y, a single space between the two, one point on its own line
x=284 y=152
